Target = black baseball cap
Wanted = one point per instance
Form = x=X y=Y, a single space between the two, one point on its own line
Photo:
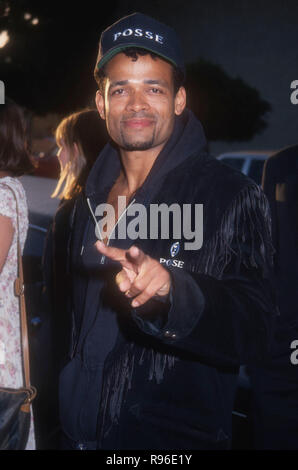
x=139 y=30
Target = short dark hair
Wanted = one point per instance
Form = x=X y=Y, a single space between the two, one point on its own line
x=14 y=154
x=134 y=52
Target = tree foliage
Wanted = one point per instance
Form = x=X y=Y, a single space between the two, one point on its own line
x=228 y=108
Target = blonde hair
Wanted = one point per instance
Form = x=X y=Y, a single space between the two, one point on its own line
x=85 y=129
x=67 y=185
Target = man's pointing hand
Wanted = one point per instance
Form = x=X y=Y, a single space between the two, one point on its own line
x=141 y=277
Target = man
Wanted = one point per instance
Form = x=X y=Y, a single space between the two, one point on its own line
x=162 y=321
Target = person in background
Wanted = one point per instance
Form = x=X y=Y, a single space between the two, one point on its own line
x=275 y=383
x=14 y=162
x=80 y=137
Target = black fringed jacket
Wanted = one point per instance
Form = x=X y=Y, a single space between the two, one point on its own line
x=164 y=376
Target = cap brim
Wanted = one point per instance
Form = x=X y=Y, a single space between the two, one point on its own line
x=112 y=52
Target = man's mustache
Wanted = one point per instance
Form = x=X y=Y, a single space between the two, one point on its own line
x=140 y=115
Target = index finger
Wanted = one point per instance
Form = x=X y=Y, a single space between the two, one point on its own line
x=116 y=254
x=135 y=255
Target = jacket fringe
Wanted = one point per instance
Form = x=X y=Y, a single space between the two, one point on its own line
x=243 y=237
x=119 y=379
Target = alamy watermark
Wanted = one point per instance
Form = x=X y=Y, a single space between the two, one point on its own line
x=294 y=94
x=294 y=355
x=2 y=92
x=158 y=221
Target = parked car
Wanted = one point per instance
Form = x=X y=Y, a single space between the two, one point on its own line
x=44 y=153
x=250 y=163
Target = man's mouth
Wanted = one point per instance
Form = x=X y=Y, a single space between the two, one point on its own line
x=138 y=120
x=137 y=123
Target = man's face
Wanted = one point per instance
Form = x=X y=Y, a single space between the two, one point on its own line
x=139 y=104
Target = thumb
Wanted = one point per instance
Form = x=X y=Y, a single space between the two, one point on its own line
x=123 y=281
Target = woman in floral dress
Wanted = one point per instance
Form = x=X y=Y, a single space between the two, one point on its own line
x=14 y=161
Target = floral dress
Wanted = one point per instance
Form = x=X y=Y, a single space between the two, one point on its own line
x=10 y=341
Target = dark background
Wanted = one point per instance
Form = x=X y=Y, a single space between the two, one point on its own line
x=242 y=93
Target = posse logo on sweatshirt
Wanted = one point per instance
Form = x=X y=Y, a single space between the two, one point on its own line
x=174 y=250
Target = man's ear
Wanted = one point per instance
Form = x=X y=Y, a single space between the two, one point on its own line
x=100 y=104
x=180 y=101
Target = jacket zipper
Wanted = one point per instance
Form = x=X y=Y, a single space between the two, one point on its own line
x=96 y=223
x=75 y=343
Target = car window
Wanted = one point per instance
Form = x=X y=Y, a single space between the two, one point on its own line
x=236 y=163
x=256 y=170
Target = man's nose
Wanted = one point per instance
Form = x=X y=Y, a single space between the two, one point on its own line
x=137 y=102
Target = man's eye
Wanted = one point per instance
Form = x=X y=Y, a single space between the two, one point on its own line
x=119 y=91
x=156 y=90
